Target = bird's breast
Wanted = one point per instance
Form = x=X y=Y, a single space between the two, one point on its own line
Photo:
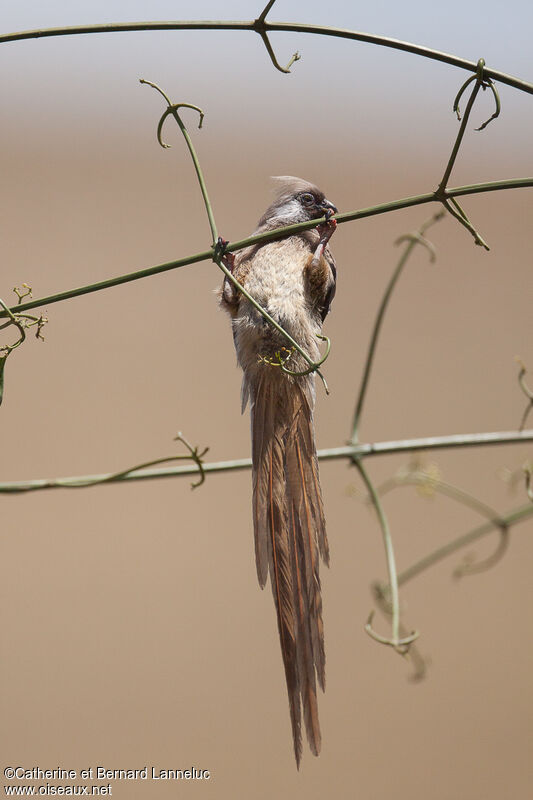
x=276 y=279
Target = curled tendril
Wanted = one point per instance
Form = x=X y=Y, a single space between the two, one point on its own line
x=489 y=84
x=452 y=205
x=471 y=567
x=26 y=291
x=295 y=56
x=279 y=357
x=196 y=456
x=13 y=320
x=172 y=109
x=460 y=93
x=280 y=360
x=485 y=83
x=260 y=28
x=400 y=645
x=313 y=367
x=418 y=661
x=21 y=322
x=526 y=390
x=419 y=239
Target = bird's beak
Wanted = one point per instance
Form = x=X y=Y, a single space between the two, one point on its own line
x=328 y=208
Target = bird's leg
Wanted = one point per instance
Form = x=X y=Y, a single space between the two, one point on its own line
x=228 y=259
x=326 y=230
x=229 y=292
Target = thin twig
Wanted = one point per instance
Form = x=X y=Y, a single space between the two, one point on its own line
x=509 y=519
x=414 y=656
x=84 y=482
x=400 y=644
x=424 y=479
x=21 y=322
x=472 y=567
x=260 y=27
x=452 y=206
x=173 y=109
x=478 y=78
x=264 y=12
x=330 y=454
x=413 y=240
x=261 y=30
x=427 y=480
x=526 y=390
x=18 y=325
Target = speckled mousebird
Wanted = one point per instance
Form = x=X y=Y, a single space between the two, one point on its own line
x=294 y=280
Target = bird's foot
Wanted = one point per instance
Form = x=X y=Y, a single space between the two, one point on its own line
x=219 y=254
x=326 y=230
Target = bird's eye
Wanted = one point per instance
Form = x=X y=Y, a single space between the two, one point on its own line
x=307 y=199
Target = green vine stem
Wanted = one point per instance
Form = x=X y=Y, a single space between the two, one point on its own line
x=400 y=644
x=480 y=80
x=260 y=28
x=451 y=205
x=412 y=241
x=288 y=27
x=173 y=110
x=279 y=233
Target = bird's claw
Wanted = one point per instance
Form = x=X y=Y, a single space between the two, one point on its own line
x=219 y=248
x=219 y=253
x=327 y=229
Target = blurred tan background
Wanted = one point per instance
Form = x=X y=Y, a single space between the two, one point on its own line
x=133 y=629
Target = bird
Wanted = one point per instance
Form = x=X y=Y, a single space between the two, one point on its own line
x=294 y=280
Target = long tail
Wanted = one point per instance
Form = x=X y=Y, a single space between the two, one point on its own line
x=290 y=534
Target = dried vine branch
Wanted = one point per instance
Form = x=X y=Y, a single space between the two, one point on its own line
x=22 y=322
x=509 y=519
x=526 y=391
x=348 y=452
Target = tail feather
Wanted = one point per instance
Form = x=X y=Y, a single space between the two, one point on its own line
x=305 y=524
x=290 y=536
x=305 y=649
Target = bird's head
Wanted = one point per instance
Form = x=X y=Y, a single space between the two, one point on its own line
x=296 y=201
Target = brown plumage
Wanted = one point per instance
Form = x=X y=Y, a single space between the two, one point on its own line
x=294 y=279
